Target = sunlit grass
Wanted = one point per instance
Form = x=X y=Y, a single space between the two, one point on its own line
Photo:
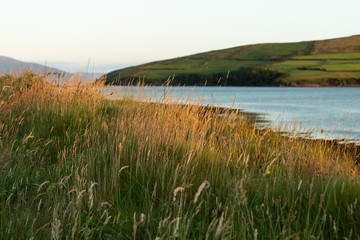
x=342 y=67
x=74 y=164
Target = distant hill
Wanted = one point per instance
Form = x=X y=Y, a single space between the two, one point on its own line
x=325 y=62
x=9 y=64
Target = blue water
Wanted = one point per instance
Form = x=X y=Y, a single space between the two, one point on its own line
x=336 y=111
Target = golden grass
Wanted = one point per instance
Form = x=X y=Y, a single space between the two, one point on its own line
x=77 y=165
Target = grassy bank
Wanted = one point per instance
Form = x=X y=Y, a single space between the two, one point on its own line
x=76 y=165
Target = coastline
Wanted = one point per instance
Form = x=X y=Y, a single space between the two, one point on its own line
x=254 y=118
x=257 y=118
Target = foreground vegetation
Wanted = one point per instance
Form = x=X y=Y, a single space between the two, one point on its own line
x=299 y=63
x=74 y=164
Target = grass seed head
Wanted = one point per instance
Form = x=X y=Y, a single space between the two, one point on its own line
x=204 y=185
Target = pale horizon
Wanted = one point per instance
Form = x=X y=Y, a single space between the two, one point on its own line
x=125 y=33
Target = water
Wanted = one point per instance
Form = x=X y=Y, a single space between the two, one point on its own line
x=327 y=112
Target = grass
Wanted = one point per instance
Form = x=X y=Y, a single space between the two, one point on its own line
x=178 y=64
x=295 y=60
x=191 y=66
x=342 y=67
x=74 y=164
x=321 y=77
x=259 y=51
x=275 y=50
x=221 y=65
x=321 y=72
x=337 y=45
x=350 y=61
x=291 y=65
x=349 y=56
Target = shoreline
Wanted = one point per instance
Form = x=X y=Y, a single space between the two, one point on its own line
x=289 y=85
x=253 y=118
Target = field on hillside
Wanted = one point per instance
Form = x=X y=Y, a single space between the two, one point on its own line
x=337 y=45
x=342 y=67
x=291 y=65
x=345 y=56
x=194 y=66
x=275 y=50
x=319 y=69
x=296 y=63
x=323 y=78
x=75 y=165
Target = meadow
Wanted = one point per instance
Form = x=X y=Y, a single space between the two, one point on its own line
x=77 y=165
x=188 y=66
x=291 y=65
x=293 y=62
x=344 y=56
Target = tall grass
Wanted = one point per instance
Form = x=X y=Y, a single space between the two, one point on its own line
x=75 y=165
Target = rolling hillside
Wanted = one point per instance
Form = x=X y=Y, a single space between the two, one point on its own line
x=326 y=62
x=9 y=64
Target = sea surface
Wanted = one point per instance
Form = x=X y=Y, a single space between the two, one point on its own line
x=324 y=112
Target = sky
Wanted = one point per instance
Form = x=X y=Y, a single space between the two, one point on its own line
x=112 y=34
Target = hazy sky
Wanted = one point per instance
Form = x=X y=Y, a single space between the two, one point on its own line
x=137 y=31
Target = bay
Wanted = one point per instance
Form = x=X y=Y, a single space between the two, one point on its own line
x=325 y=112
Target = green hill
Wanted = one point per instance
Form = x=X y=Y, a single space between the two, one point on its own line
x=325 y=62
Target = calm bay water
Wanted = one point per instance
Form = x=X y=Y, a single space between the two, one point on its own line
x=336 y=111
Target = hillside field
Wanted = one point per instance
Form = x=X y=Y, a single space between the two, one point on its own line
x=326 y=62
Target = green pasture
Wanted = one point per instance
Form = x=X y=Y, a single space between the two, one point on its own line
x=228 y=53
x=189 y=66
x=342 y=67
x=316 y=75
x=225 y=65
x=290 y=65
x=178 y=64
x=292 y=59
x=331 y=56
x=275 y=50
